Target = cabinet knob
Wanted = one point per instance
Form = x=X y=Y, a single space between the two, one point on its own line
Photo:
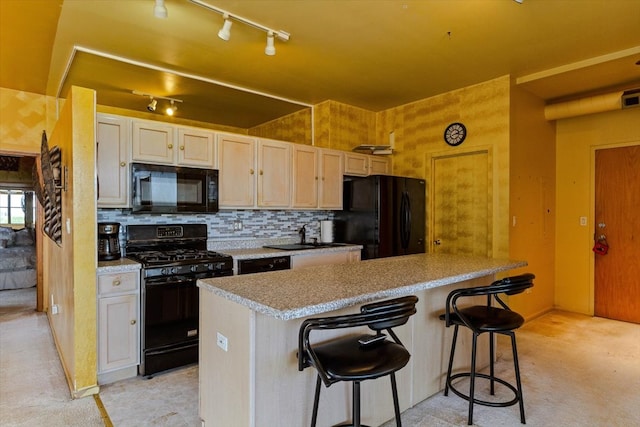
x=170 y=146
x=316 y=178
x=261 y=173
x=123 y=164
x=251 y=171
x=133 y=322
x=182 y=147
x=116 y=282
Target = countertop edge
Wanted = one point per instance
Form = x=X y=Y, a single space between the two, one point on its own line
x=299 y=312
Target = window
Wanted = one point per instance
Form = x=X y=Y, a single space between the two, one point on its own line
x=12 y=207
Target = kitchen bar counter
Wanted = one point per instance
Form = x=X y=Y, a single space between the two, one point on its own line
x=333 y=287
x=249 y=337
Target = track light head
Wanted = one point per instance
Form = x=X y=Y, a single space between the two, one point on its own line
x=171 y=109
x=152 y=105
x=225 y=31
x=160 y=10
x=270 y=49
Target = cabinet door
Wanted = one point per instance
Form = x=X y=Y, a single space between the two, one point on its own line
x=356 y=164
x=152 y=142
x=330 y=188
x=196 y=147
x=379 y=165
x=118 y=332
x=305 y=181
x=236 y=156
x=112 y=161
x=274 y=174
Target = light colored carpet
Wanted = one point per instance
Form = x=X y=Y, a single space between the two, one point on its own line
x=577 y=371
x=33 y=389
x=169 y=399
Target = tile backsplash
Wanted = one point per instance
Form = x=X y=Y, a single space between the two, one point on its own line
x=232 y=225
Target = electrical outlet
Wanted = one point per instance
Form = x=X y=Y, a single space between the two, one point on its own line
x=222 y=342
x=237 y=225
x=54 y=309
x=583 y=221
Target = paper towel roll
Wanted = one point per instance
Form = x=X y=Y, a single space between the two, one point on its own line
x=326 y=231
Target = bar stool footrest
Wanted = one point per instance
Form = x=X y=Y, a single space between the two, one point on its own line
x=484 y=402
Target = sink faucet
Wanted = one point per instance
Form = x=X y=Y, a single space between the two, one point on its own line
x=303 y=234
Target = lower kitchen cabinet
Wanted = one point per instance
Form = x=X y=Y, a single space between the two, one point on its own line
x=118 y=325
x=312 y=259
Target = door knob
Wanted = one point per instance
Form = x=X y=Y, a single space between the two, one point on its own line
x=437 y=242
x=601 y=225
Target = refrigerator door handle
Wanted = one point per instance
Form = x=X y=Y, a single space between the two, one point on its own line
x=405 y=224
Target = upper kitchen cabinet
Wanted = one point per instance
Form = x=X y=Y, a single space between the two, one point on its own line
x=363 y=164
x=305 y=181
x=274 y=174
x=356 y=164
x=254 y=173
x=112 y=163
x=196 y=147
x=163 y=143
x=379 y=165
x=330 y=180
x=237 y=180
x=153 y=142
x=317 y=178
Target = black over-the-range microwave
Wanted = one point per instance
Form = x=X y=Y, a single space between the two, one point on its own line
x=173 y=189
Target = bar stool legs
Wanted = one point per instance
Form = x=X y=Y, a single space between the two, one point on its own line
x=472 y=374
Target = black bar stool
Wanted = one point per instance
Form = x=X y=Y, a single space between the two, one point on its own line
x=360 y=357
x=494 y=320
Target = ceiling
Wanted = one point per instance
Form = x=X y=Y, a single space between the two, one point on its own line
x=373 y=54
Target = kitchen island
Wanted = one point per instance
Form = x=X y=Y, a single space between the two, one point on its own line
x=249 y=337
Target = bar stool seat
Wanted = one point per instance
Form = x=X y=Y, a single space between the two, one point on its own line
x=482 y=319
x=359 y=357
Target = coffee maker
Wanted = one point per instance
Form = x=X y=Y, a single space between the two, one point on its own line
x=108 y=243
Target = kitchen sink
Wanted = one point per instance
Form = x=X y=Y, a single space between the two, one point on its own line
x=300 y=246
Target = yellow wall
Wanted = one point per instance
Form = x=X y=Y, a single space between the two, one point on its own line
x=342 y=127
x=532 y=196
x=70 y=268
x=418 y=131
x=295 y=127
x=23 y=117
x=576 y=141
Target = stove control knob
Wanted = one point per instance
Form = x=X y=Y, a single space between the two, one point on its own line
x=174 y=270
x=193 y=268
x=164 y=271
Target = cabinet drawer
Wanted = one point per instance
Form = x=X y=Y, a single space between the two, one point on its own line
x=118 y=282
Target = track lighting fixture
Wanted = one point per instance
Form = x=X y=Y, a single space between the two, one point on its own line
x=160 y=10
x=153 y=104
x=171 y=109
x=225 y=31
x=270 y=49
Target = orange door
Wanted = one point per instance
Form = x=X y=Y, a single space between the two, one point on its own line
x=617 y=219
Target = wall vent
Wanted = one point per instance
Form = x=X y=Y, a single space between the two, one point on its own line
x=631 y=98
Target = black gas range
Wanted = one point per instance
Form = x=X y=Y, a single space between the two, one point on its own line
x=173 y=258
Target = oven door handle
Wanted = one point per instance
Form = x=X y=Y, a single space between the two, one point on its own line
x=166 y=281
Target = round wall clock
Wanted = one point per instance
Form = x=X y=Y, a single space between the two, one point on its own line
x=455 y=134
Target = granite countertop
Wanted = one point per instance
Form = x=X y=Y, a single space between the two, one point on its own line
x=254 y=253
x=293 y=294
x=118 y=266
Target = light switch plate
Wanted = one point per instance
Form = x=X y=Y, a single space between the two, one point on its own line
x=221 y=340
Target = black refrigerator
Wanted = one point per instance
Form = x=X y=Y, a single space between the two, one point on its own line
x=385 y=214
